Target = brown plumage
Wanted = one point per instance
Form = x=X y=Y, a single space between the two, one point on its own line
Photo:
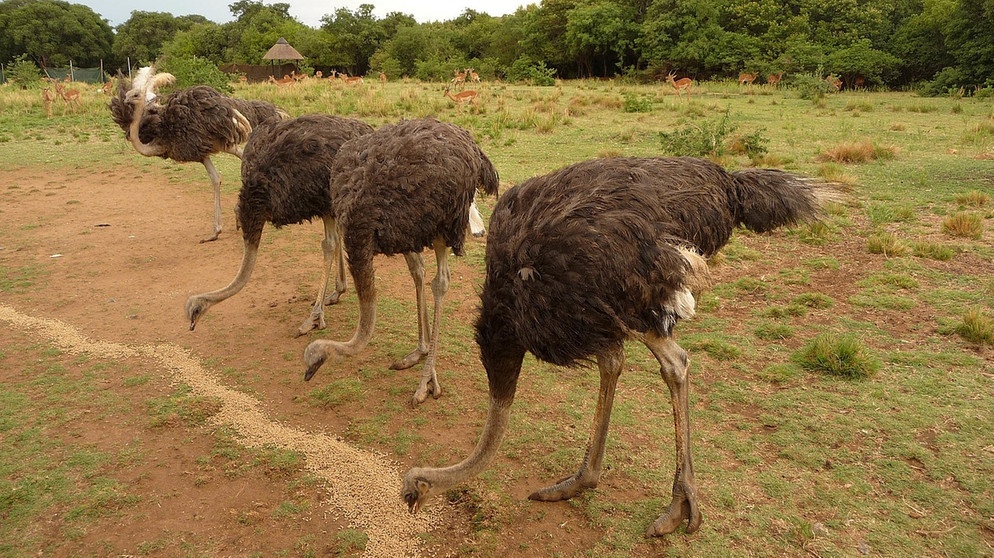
x=189 y=125
x=584 y=258
x=404 y=188
x=286 y=171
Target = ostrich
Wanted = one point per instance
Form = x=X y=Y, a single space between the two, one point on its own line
x=285 y=179
x=399 y=190
x=190 y=125
x=586 y=257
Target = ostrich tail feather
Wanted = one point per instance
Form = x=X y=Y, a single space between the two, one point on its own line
x=769 y=199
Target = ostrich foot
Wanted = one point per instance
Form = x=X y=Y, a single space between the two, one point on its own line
x=332 y=299
x=429 y=385
x=212 y=237
x=681 y=508
x=564 y=489
x=414 y=357
x=314 y=321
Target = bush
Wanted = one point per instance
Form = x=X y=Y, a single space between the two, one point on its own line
x=23 y=72
x=196 y=71
x=526 y=69
x=637 y=103
x=704 y=140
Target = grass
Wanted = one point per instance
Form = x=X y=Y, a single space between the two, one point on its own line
x=828 y=417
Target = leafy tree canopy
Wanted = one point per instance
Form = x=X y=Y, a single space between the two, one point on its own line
x=53 y=33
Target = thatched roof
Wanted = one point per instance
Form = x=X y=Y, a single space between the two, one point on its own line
x=282 y=51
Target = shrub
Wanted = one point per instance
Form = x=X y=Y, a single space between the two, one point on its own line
x=704 y=140
x=196 y=71
x=23 y=72
x=637 y=103
x=841 y=356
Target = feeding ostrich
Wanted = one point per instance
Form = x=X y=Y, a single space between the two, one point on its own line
x=582 y=259
x=286 y=168
x=189 y=125
x=401 y=189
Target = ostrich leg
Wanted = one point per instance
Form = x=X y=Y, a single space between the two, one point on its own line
x=673 y=362
x=416 y=265
x=331 y=248
x=216 y=182
x=609 y=364
x=439 y=286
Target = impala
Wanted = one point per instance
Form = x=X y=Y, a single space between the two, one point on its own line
x=774 y=79
x=71 y=97
x=682 y=84
x=468 y=96
x=746 y=79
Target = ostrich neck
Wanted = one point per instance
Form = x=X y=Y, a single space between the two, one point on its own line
x=146 y=149
x=486 y=449
x=249 y=257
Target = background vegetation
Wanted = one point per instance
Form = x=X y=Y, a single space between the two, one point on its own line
x=942 y=45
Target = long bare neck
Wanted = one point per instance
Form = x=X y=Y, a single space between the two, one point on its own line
x=146 y=149
x=444 y=478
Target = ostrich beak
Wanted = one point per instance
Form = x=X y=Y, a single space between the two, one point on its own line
x=312 y=369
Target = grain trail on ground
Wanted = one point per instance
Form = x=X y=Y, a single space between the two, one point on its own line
x=363 y=487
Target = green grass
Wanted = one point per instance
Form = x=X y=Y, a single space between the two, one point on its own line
x=842 y=356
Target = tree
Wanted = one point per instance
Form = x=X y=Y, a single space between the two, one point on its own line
x=970 y=39
x=920 y=41
x=862 y=61
x=356 y=36
x=602 y=30
x=141 y=37
x=53 y=32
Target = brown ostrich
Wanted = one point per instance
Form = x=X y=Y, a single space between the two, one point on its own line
x=401 y=189
x=582 y=259
x=189 y=125
x=286 y=168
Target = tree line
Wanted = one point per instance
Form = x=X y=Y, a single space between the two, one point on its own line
x=937 y=44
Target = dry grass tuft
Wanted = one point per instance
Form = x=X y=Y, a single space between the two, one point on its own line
x=886 y=243
x=973 y=198
x=964 y=224
x=858 y=152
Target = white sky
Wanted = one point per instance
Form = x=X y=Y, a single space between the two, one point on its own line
x=309 y=13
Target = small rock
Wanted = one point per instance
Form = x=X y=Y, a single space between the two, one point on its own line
x=863 y=548
x=819 y=529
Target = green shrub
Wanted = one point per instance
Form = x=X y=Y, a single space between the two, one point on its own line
x=637 y=103
x=196 y=71
x=706 y=139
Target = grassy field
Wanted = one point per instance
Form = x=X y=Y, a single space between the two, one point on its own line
x=842 y=379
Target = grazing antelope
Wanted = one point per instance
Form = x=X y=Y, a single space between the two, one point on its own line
x=71 y=97
x=467 y=96
x=747 y=79
x=284 y=81
x=774 y=79
x=108 y=87
x=460 y=78
x=682 y=84
x=352 y=80
x=473 y=76
x=47 y=98
x=834 y=82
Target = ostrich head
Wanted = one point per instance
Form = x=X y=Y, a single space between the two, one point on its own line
x=417 y=489
x=147 y=83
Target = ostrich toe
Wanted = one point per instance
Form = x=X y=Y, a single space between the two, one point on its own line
x=414 y=357
x=429 y=385
x=314 y=321
x=563 y=490
x=332 y=299
x=680 y=510
x=212 y=237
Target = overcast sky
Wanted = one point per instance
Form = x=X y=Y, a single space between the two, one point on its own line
x=309 y=13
